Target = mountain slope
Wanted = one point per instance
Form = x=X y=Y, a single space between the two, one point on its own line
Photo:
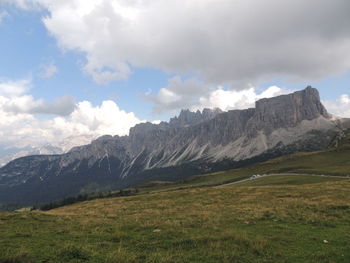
x=189 y=144
x=332 y=162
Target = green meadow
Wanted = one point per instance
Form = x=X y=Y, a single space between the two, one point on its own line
x=271 y=219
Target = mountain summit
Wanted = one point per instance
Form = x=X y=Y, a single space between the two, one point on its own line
x=191 y=143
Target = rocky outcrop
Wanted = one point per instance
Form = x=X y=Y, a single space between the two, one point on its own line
x=201 y=138
x=187 y=117
x=287 y=110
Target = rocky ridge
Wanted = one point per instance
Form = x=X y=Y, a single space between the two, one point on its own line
x=297 y=122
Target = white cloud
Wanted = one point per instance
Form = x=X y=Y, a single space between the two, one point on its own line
x=177 y=95
x=19 y=127
x=344 y=99
x=107 y=118
x=226 y=41
x=24 y=4
x=194 y=94
x=27 y=104
x=341 y=107
x=14 y=99
x=48 y=70
x=11 y=89
x=243 y=99
x=103 y=75
x=156 y=122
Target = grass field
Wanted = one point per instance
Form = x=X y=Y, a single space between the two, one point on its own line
x=287 y=218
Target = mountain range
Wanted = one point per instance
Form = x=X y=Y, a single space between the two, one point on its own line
x=8 y=153
x=192 y=143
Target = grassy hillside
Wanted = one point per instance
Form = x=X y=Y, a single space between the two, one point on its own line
x=290 y=217
x=278 y=220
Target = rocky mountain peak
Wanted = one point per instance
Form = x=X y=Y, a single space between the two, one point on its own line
x=306 y=102
x=142 y=128
x=288 y=110
x=187 y=117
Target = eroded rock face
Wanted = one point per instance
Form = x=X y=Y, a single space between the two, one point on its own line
x=204 y=137
x=287 y=110
x=188 y=118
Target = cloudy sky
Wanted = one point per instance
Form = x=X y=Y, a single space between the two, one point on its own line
x=92 y=67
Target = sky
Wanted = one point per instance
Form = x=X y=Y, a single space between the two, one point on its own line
x=72 y=70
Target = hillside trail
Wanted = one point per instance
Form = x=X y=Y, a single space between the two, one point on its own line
x=255 y=177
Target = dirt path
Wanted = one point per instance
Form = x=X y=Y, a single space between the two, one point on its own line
x=266 y=175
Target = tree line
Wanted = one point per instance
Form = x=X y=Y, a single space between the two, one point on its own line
x=85 y=197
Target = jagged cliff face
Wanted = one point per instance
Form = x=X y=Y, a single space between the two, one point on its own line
x=288 y=110
x=202 y=138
